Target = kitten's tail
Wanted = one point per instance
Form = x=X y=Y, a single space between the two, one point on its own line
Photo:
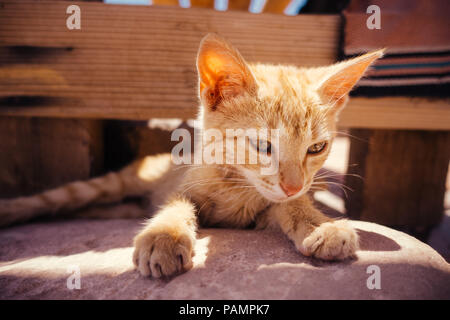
x=134 y=180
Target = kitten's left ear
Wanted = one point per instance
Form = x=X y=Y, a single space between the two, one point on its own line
x=222 y=71
x=341 y=78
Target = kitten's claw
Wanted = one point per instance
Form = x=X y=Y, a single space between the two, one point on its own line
x=160 y=254
x=335 y=240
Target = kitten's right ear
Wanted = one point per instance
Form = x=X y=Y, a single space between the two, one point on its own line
x=341 y=78
x=222 y=71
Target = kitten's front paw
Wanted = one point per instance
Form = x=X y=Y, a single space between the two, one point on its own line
x=335 y=240
x=162 y=253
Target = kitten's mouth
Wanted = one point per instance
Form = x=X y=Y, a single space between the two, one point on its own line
x=274 y=197
x=279 y=197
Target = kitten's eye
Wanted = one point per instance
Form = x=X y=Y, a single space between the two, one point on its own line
x=261 y=145
x=317 y=147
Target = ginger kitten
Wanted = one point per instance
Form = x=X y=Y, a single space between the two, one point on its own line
x=301 y=104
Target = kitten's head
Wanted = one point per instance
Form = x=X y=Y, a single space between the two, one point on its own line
x=302 y=104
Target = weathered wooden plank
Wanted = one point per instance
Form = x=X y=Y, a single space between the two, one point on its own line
x=400 y=178
x=165 y=2
x=202 y=3
x=40 y=153
x=397 y=113
x=134 y=62
x=276 y=6
x=386 y=113
x=238 y=5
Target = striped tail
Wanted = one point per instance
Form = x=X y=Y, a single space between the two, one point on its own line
x=112 y=187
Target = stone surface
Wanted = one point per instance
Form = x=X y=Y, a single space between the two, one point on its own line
x=35 y=262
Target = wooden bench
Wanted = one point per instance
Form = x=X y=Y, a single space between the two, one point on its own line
x=137 y=63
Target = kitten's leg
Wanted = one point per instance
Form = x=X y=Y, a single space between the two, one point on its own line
x=165 y=246
x=313 y=233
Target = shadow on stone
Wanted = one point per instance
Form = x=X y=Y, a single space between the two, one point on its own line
x=372 y=241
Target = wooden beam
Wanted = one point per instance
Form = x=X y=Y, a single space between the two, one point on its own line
x=276 y=6
x=383 y=113
x=238 y=5
x=134 y=62
x=397 y=113
x=38 y=153
x=398 y=178
x=202 y=3
x=165 y=2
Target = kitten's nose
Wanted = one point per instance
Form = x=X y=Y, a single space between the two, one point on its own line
x=290 y=190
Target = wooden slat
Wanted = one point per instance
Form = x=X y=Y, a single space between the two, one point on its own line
x=141 y=31
x=276 y=6
x=134 y=62
x=238 y=5
x=202 y=3
x=165 y=2
x=397 y=113
x=382 y=113
x=37 y=154
x=398 y=178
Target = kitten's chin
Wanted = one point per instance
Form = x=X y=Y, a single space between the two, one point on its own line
x=273 y=193
x=278 y=200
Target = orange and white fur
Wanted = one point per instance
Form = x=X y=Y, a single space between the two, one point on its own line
x=302 y=103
